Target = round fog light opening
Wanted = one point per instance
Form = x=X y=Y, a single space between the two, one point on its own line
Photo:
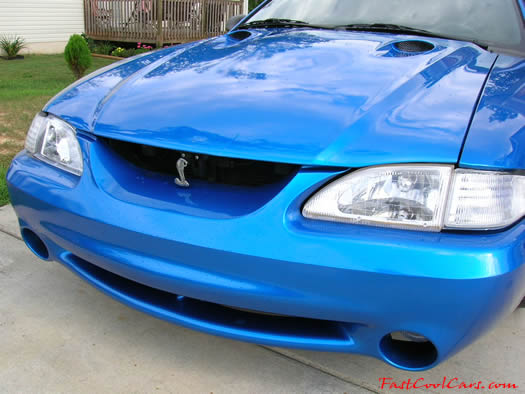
x=35 y=244
x=408 y=350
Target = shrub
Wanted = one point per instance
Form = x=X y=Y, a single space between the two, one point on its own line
x=118 y=52
x=131 y=52
x=12 y=45
x=128 y=52
x=77 y=55
x=90 y=42
x=121 y=52
x=144 y=46
x=104 y=48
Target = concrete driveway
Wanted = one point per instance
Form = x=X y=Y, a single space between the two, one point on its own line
x=58 y=334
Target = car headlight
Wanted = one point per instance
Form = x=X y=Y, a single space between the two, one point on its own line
x=482 y=200
x=54 y=141
x=421 y=197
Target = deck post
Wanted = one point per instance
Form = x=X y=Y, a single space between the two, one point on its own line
x=160 y=19
x=204 y=23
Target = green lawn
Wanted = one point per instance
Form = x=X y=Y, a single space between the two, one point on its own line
x=25 y=86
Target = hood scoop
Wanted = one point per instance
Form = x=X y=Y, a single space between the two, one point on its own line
x=413 y=47
x=240 y=35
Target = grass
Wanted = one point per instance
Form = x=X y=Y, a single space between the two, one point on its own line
x=4 y=197
x=25 y=86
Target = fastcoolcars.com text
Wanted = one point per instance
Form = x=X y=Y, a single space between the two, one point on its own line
x=445 y=384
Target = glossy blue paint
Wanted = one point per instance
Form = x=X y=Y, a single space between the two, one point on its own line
x=522 y=7
x=126 y=182
x=366 y=281
x=496 y=139
x=296 y=96
x=328 y=100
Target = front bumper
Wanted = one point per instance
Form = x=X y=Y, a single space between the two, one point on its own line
x=344 y=287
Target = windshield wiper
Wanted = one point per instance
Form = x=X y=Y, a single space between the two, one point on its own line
x=277 y=22
x=388 y=28
x=392 y=28
x=377 y=27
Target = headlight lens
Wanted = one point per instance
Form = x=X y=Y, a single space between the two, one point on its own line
x=54 y=141
x=397 y=196
x=417 y=197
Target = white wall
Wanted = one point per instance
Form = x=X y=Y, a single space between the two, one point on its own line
x=45 y=24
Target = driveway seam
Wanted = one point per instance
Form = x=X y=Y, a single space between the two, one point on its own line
x=10 y=234
x=301 y=361
x=317 y=367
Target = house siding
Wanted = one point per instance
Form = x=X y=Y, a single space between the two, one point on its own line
x=45 y=24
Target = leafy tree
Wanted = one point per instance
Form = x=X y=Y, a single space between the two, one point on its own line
x=77 y=55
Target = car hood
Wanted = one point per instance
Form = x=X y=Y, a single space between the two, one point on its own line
x=303 y=96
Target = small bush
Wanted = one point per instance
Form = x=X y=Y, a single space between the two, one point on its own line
x=4 y=195
x=128 y=53
x=131 y=52
x=90 y=42
x=144 y=46
x=77 y=55
x=12 y=45
x=118 y=52
x=104 y=48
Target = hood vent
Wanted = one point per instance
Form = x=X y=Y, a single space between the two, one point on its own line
x=240 y=35
x=413 y=46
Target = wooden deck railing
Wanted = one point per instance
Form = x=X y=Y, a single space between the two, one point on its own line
x=158 y=21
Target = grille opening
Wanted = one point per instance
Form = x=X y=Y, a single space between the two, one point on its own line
x=213 y=169
x=414 y=46
x=171 y=306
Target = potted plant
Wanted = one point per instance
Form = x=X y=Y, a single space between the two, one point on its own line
x=12 y=46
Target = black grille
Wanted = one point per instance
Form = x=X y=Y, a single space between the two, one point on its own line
x=414 y=46
x=209 y=168
x=282 y=327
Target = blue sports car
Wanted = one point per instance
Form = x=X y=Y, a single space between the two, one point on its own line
x=340 y=175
